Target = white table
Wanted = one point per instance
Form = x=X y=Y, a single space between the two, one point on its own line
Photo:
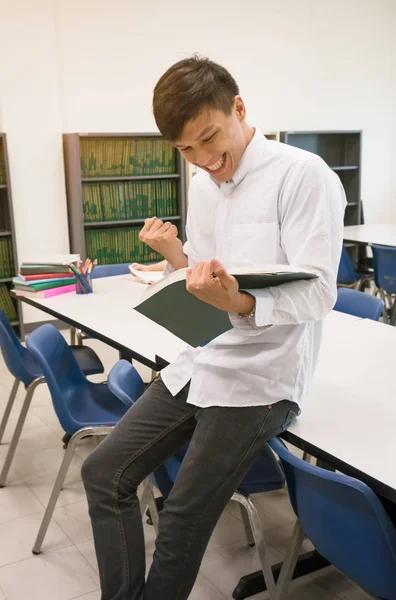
x=350 y=413
x=384 y=235
x=108 y=315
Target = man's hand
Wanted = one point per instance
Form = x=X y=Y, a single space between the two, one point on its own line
x=162 y=237
x=210 y=282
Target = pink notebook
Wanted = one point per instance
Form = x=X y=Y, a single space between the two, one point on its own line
x=64 y=289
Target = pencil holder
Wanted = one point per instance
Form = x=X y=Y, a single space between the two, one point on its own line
x=84 y=284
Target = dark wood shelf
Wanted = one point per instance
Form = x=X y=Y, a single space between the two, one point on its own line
x=3 y=186
x=128 y=178
x=352 y=203
x=345 y=168
x=5 y=233
x=98 y=224
x=14 y=323
x=5 y=279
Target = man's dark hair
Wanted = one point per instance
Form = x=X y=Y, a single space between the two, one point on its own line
x=186 y=88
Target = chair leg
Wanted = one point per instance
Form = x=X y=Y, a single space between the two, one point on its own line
x=80 y=338
x=258 y=536
x=246 y=524
x=289 y=563
x=76 y=437
x=72 y=336
x=152 y=506
x=147 y=492
x=18 y=429
x=8 y=408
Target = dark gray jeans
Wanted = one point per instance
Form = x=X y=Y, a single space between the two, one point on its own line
x=224 y=441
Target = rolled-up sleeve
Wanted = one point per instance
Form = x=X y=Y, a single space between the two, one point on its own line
x=311 y=209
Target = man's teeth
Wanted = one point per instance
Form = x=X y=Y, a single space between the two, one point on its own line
x=217 y=164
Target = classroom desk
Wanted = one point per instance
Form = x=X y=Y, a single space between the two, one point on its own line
x=384 y=235
x=348 y=418
x=107 y=314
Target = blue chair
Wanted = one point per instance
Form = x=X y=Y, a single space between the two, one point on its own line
x=385 y=278
x=348 y=276
x=344 y=520
x=76 y=335
x=83 y=408
x=359 y=304
x=265 y=475
x=23 y=366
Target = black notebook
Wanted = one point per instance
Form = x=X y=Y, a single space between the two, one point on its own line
x=168 y=303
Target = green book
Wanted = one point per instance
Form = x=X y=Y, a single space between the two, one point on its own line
x=168 y=303
x=43 y=286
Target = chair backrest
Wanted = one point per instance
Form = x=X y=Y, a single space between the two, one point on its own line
x=384 y=258
x=345 y=521
x=18 y=359
x=110 y=270
x=60 y=368
x=125 y=382
x=346 y=271
x=359 y=304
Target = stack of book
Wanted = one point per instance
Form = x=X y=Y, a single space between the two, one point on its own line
x=46 y=276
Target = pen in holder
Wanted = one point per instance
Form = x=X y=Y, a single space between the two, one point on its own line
x=83 y=280
x=83 y=283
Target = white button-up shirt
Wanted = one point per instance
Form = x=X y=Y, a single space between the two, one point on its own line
x=283 y=205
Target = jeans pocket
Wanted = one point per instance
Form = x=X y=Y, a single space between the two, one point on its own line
x=291 y=415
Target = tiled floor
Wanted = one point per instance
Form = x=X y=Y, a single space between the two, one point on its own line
x=67 y=567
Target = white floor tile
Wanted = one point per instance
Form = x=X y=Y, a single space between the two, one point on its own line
x=31 y=421
x=12 y=477
x=87 y=549
x=91 y=596
x=279 y=538
x=223 y=567
x=227 y=531
x=204 y=589
x=72 y=492
x=60 y=575
x=2 y=597
x=17 y=501
x=42 y=463
x=18 y=536
x=336 y=583
x=37 y=438
x=75 y=522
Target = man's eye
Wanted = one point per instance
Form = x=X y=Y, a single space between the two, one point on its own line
x=209 y=139
x=186 y=149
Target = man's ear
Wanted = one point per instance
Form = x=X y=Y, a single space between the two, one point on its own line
x=239 y=107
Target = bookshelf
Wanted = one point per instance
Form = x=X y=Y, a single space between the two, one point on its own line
x=272 y=135
x=114 y=181
x=8 y=253
x=341 y=150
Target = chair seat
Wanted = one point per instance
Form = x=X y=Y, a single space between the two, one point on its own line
x=264 y=475
x=92 y=406
x=89 y=362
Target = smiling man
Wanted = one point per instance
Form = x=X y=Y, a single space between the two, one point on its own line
x=253 y=202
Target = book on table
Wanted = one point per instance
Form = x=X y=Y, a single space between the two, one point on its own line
x=46 y=293
x=168 y=303
x=148 y=277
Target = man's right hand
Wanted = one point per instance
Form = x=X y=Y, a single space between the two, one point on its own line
x=162 y=237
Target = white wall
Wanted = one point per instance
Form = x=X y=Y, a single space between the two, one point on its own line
x=91 y=66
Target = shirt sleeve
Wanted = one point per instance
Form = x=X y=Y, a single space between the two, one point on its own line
x=311 y=209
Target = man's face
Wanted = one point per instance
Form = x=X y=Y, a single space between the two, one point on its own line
x=215 y=141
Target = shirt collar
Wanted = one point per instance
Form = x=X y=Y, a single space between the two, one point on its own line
x=249 y=159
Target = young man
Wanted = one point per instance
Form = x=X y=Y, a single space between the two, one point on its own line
x=253 y=202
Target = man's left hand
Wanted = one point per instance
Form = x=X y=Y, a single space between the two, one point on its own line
x=210 y=282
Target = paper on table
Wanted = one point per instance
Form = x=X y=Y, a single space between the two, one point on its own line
x=147 y=277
